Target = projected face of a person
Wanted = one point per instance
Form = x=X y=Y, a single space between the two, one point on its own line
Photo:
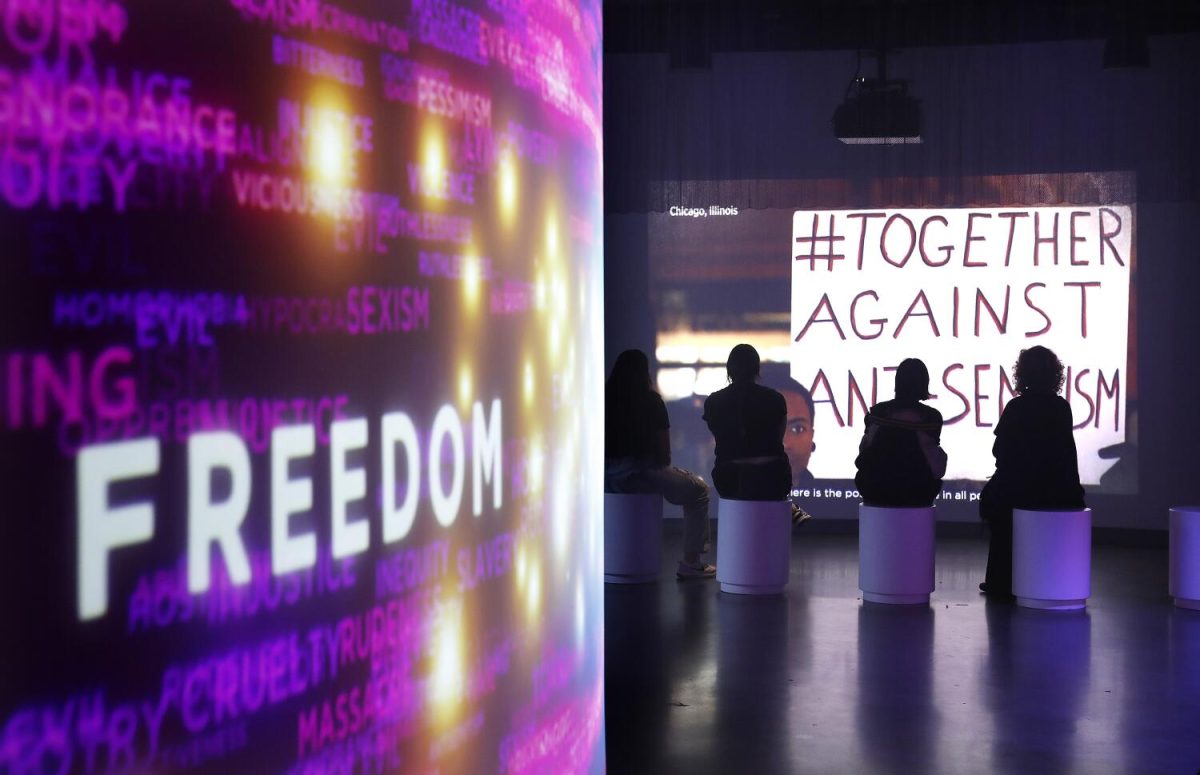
x=798 y=437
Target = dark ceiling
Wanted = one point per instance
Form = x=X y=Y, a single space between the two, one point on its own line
x=691 y=30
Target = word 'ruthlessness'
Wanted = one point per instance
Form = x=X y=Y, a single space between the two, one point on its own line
x=104 y=527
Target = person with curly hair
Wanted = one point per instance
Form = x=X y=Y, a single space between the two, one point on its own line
x=1037 y=466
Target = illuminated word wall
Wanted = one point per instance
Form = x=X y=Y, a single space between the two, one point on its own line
x=964 y=290
x=299 y=359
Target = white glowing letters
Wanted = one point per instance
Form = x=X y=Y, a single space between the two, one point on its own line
x=215 y=518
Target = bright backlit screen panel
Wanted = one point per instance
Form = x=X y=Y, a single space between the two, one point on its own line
x=834 y=297
x=300 y=318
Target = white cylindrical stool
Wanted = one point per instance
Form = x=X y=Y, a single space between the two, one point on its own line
x=1185 y=556
x=1052 y=558
x=633 y=525
x=754 y=545
x=895 y=554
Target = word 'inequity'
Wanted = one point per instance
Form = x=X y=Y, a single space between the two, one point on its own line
x=104 y=526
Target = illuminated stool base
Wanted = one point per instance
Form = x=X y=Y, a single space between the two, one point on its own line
x=1052 y=559
x=633 y=527
x=754 y=545
x=895 y=554
x=1185 y=556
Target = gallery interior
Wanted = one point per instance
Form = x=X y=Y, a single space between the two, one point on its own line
x=366 y=373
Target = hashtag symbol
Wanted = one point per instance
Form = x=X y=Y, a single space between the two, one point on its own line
x=814 y=238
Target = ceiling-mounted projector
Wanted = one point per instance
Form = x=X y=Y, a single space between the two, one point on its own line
x=878 y=113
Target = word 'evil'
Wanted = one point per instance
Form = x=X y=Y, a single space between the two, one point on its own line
x=104 y=526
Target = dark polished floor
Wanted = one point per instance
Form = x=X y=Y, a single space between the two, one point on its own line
x=818 y=681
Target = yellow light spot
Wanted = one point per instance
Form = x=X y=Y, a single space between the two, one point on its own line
x=528 y=387
x=329 y=147
x=507 y=174
x=464 y=385
x=446 y=650
x=433 y=155
x=472 y=280
x=522 y=565
x=552 y=238
x=537 y=463
x=560 y=296
x=533 y=592
x=540 y=291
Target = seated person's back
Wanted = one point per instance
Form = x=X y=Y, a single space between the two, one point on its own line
x=900 y=461
x=747 y=421
x=634 y=424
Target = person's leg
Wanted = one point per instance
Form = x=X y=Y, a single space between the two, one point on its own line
x=683 y=488
x=998 y=578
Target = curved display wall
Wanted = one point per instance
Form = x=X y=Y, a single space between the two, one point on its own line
x=299 y=355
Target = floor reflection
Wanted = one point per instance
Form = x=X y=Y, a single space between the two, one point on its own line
x=897 y=721
x=752 y=682
x=816 y=681
x=1034 y=681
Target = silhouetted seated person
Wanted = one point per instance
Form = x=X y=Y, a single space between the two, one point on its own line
x=747 y=421
x=637 y=456
x=900 y=460
x=1036 y=463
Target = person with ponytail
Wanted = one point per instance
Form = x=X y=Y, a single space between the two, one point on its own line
x=748 y=421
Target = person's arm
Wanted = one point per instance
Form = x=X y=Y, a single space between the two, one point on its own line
x=868 y=437
x=931 y=445
x=664 y=447
x=662 y=433
x=1071 y=456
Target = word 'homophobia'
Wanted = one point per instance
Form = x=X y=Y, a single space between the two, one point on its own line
x=105 y=526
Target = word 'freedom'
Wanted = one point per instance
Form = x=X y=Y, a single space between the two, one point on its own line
x=104 y=527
